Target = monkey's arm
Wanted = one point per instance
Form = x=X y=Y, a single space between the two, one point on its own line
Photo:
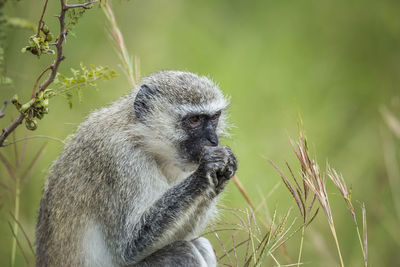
x=180 y=207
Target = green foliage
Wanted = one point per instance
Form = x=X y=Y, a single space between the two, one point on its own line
x=38 y=106
x=85 y=76
x=74 y=14
x=35 y=108
x=39 y=43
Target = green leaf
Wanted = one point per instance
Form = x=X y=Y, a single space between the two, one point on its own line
x=74 y=14
x=81 y=78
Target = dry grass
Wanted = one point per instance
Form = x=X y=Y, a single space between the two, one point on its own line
x=131 y=71
x=250 y=243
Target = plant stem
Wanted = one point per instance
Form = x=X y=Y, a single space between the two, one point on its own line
x=16 y=215
x=120 y=43
x=301 y=245
x=41 y=18
x=337 y=245
x=361 y=243
x=276 y=261
x=239 y=185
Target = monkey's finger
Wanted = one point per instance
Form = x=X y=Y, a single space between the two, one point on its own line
x=215 y=179
x=232 y=163
x=229 y=172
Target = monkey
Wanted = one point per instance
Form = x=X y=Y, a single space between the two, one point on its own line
x=139 y=180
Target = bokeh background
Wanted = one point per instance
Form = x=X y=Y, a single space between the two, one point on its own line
x=334 y=63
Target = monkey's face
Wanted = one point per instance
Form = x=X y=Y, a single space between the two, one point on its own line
x=177 y=115
x=201 y=131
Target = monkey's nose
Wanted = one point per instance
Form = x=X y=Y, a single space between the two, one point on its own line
x=211 y=134
x=213 y=139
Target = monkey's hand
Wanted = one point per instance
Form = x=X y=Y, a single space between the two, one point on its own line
x=218 y=164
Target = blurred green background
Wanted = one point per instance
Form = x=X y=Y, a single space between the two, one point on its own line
x=337 y=63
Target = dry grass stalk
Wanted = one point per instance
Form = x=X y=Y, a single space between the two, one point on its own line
x=239 y=185
x=118 y=38
x=223 y=247
x=365 y=239
x=339 y=182
x=257 y=245
x=300 y=195
x=316 y=182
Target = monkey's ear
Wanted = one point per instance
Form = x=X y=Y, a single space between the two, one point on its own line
x=141 y=104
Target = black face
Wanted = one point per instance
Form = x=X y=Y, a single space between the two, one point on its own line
x=201 y=131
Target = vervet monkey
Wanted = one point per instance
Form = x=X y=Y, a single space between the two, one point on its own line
x=139 y=179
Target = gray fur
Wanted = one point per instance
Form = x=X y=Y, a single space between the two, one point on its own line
x=123 y=194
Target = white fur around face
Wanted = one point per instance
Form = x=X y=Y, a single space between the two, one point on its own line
x=94 y=248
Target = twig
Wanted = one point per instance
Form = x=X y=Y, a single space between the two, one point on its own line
x=10 y=128
x=41 y=19
x=84 y=5
x=38 y=79
x=54 y=67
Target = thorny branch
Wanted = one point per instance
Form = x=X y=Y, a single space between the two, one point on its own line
x=84 y=5
x=54 y=66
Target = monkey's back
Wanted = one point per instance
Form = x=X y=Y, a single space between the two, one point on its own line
x=83 y=186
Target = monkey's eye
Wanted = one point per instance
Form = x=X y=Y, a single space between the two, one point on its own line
x=194 y=121
x=215 y=116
